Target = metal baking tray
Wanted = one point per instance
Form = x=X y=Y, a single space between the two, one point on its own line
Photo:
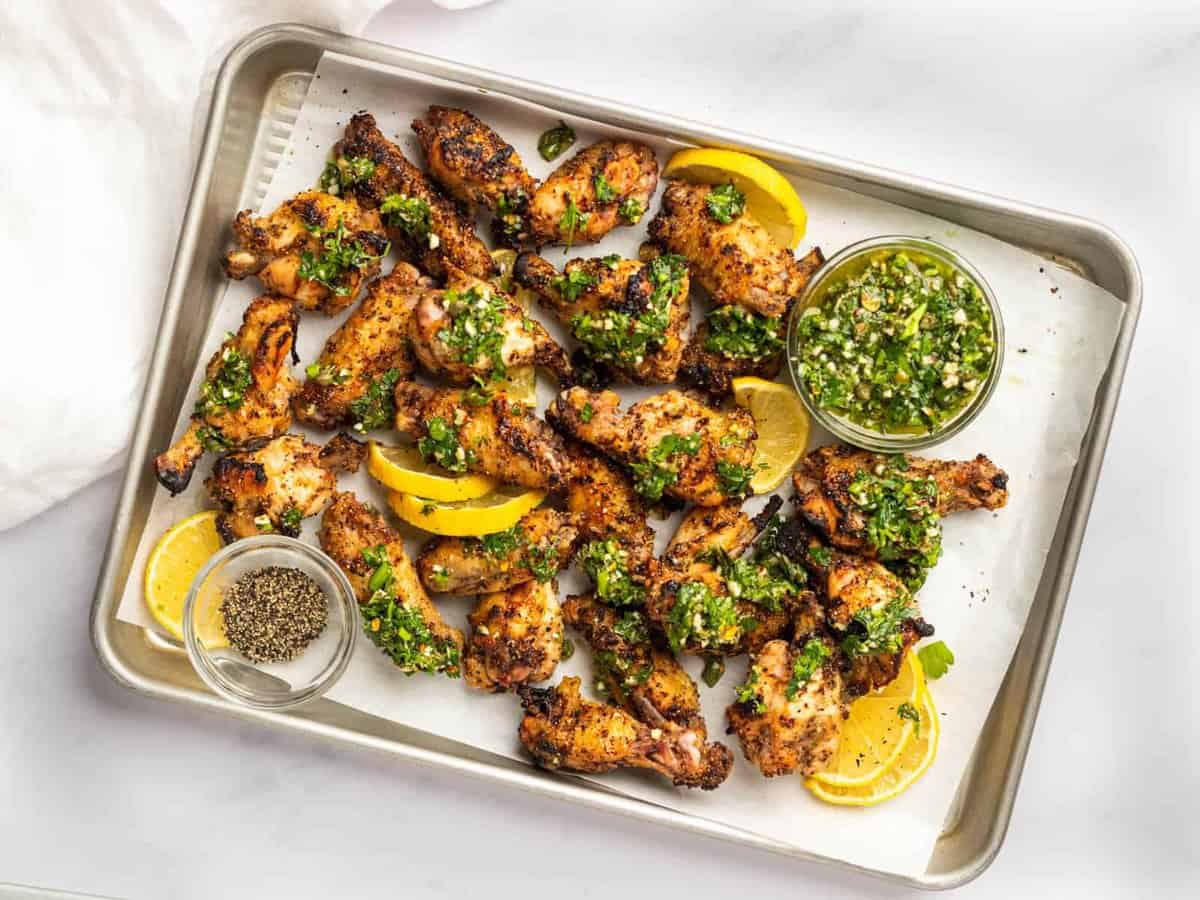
x=256 y=98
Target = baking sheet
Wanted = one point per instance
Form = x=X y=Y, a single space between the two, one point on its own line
x=1060 y=333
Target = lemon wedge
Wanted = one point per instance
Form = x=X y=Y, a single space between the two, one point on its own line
x=521 y=384
x=782 y=425
x=770 y=197
x=402 y=469
x=498 y=511
x=179 y=554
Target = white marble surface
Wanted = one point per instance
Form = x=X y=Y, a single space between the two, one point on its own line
x=1089 y=107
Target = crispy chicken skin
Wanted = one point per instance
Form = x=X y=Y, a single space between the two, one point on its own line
x=629 y=171
x=822 y=481
x=506 y=439
x=452 y=565
x=516 y=637
x=473 y=163
x=562 y=730
x=456 y=243
x=602 y=497
x=373 y=340
x=348 y=527
x=525 y=341
x=624 y=286
x=264 y=340
x=726 y=438
x=285 y=480
x=735 y=263
x=271 y=247
x=782 y=735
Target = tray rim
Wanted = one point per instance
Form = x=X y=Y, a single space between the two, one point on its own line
x=1103 y=238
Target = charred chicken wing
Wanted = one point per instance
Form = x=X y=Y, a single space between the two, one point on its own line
x=516 y=637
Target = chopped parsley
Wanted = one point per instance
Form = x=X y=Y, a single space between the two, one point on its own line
x=733 y=479
x=542 y=561
x=410 y=215
x=574 y=284
x=508 y=209
x=345 y=171
x=440 y=445
x=656 y=472
x=607 y=565
x=338 y=258
x=704 y=620
x=376 y=408
x=399 y=630
x=814 y=655
x=605 y=192
x=821 y=555
x=770 y=552
x=632 y=628
x=500 y=543
x=907 y=711
x=749 y=692
x=879 y=629
x=212 y=440
x=714 y=670
x=585 y=414
x=327 y=374
x=476 y=327
x=725 y=203
x=613 y=260
x=568 y=649
x=751 y=580
x=631 y=210
x=290 y=520
x=555 y=140
x=902 y=521
x=738 y=333
x=571 y=222
x=226 y=389
x=936 y=659
x=624 y=670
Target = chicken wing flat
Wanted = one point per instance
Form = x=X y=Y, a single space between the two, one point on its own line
x=425 y=224
x=245 y=395
x=501 y=437
x=516 y=637
x=672 y=443
x=315 y=248
x=562 y=730
x=602 y=186
x=396 y=613
x=535 y=549
x=789 y=713
x=474 y=164
x=274 y=487
x=348 y=384
x=629 y=317
x=738 y=262
x=471 y=332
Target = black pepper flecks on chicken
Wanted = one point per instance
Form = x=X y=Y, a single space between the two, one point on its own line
x=516 y=637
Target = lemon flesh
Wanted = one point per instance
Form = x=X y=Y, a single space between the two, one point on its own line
x=403 y=469
x=782 y=425
x=174 y=562
x=497 y=511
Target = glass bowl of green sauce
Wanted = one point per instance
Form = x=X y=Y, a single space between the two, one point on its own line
x=896 y=343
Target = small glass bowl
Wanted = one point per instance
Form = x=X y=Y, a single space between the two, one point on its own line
x=849 y=262
x=273 y=686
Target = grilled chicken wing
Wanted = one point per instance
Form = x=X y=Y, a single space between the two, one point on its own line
x=315 y=248
x=370 y=343
x=562 y=730
x=736 y=263
x=397 y=614
x=535 y=549
x=605 y=504
x=425 y=224
x=602 y=186
x=501 y=438
x=245 y=395
x=783 y=724
x=472 y=332
x=673 y=443
x=516 y=638
x=274 y=486
x=474 y=164
x=646 y=303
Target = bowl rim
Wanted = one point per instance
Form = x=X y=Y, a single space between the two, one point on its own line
x=882 y=442
x=199 y=656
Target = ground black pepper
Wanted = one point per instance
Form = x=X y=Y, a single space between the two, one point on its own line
x=272 y=614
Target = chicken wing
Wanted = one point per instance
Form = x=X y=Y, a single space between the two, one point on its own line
x=245 y=395
x=348 y=384
x=788 y=715
x=535 y=549
x=602 y=186
x=274 y=487
x=473 y=333
x=396 y=613
x=672 y=443
x=516 y=637
x=315 y=248
x=426 y=225
x=562 y=730
x=629 y=317
x=500 y=437
x=737 y=262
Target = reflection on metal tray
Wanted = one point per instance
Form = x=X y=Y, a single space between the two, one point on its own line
x=254 y=106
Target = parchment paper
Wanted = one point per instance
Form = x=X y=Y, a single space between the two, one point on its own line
x=1060 y=335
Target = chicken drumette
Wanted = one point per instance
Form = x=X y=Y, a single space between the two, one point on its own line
x=672 y=443
x=272 y=488
x=246 y=393
x=315 y=248
x=516 y=637
x=562 y=730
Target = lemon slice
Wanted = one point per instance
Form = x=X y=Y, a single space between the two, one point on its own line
x=770 y=197
x=402 y=469
x=497 y=511
x=909 y=765
x=179 y=554
x=521 y=384
x=875 y=734
x=782 y=425
x=505 y=260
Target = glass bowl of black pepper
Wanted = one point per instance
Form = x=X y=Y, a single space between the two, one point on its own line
x=270 y=622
